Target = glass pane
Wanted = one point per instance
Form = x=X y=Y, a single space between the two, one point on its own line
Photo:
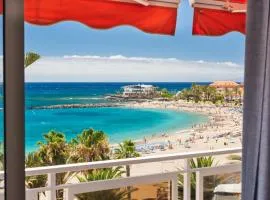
x=223 y=187
x=157 y=191
x=103 y=95
x=217 y=186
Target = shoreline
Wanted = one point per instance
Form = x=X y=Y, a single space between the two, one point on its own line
x=224 y=124
x=223 y=130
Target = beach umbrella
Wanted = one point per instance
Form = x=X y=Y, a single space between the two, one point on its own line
x=218 y=17
x=151 y=16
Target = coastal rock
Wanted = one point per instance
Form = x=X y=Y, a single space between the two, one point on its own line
x=68 y=106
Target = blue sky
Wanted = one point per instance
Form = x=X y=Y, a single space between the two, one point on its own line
x=71 y=38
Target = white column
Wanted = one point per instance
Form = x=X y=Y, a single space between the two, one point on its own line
x=2 y=196
x=30 y=195
x=175 y=188
x=187 y=189
x=199 y=186
x=52 y=184
x=68 y=194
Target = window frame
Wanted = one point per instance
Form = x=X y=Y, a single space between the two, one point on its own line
x=13 y=86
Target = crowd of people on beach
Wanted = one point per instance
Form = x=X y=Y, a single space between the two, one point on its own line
x=223 y=129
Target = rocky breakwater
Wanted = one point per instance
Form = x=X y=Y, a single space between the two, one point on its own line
x=69 y=106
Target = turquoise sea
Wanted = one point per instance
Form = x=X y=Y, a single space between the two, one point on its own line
x=117 y=123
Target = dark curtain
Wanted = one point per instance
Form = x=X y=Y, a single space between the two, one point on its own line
x=256 y=136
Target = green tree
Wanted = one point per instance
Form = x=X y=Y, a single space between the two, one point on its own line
x=218 y=98
x=228 y=94
x=103 y=174
x=201 y=93
x=30 y=58
x=33 y=160
x=127 y=149
x=166 y=94
x=90 y=146
x=238 y=93
x=54 y=151
x=196 y=92
x=209 y=93
x=186 y=94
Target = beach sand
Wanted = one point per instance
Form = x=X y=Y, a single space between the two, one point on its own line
x=223 y=130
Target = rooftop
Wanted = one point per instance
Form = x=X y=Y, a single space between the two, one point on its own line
x=224 y=84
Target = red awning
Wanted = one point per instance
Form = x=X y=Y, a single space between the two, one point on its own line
x=219 y=18
x=157 y=17
x=211 y=17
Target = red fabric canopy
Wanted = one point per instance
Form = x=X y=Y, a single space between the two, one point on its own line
x=238 y=1
x=102 y=14
x=211 y=22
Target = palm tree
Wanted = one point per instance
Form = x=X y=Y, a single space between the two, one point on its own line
x=33 y=160
x=127 y=149
x=54 y=151
x=236 y=91
x=197 y=92
x=166 y=94
x=238 y=94
x=228 y=94
x=103 y=174
x=30 y=58
x=186 y=94
x=211 y=93
x=89 y=146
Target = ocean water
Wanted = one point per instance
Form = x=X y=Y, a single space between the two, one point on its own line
x=117 y=123
x=38 y=94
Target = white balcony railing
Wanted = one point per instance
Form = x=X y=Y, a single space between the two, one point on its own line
x=70 y=190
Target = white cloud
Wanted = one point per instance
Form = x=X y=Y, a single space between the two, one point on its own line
x=119 y=68
x=147 y=59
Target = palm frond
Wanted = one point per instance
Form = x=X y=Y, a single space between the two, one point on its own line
x=30 y=58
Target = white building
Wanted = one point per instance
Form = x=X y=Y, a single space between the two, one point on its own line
x=139 y=90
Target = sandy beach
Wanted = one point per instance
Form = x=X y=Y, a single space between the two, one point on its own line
x=223 y=130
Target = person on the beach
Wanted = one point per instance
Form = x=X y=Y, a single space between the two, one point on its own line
x=179 y=141
x=145 y=140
